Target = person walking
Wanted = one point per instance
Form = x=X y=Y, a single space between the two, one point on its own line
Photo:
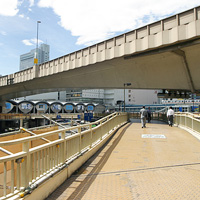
x=149 y=115
x=143 y=115
x=170 y=116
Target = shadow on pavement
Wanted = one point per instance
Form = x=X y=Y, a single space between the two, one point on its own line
x=79 y=183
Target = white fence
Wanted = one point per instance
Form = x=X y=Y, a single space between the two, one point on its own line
x=190 y=122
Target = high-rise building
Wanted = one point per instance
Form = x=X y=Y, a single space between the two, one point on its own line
x=27 y=59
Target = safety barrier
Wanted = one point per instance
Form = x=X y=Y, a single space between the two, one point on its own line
x=188 y=121
x=24 y=171
x=154 y=116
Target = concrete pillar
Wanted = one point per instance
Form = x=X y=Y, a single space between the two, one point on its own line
x=17 y=109
x=2 y=106
x=21 y=123
x=26 y=124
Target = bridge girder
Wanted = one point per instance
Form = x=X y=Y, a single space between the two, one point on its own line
x=154 y=69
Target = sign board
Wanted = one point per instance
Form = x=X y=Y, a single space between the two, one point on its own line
x=90 y=108
x=35 y=60
x=8 y=106
x=153 y=136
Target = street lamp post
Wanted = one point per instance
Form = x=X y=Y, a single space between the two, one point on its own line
x=125 y=84
x=36 y=56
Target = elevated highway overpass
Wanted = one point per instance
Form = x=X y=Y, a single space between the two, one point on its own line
x=161 y=55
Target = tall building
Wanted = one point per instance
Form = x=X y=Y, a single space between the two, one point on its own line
x=27 y=59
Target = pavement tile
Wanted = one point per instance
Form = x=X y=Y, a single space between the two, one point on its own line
x=132 y=167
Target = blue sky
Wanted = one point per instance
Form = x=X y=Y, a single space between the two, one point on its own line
x=68 y=26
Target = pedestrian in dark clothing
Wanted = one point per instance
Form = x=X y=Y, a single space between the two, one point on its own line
x=149 y=115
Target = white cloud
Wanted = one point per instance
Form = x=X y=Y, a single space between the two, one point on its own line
x=93 y=20
x=31 y=42
x=3 y=33
x=21 y=15
x=27 y=42
x=31 y=2
x=8 y=7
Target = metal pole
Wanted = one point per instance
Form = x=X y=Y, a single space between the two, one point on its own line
x=193 y=101
x=37 y=42
x=125 y=84
x=124 y=97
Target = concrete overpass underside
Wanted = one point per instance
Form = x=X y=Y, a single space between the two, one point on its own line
x=177 y=67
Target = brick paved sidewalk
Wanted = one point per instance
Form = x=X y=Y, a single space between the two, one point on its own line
x=159 y=162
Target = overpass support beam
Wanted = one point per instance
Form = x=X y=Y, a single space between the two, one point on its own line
x=35 y=71
x=181 y=53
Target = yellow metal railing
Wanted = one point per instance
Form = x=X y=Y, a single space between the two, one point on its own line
x=23 y=171
x=189 y=121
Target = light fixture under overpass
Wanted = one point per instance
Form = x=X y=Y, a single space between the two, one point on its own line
x=125 y=84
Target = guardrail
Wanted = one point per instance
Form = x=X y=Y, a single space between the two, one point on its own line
x=22 y=172
x=154 y=116
x=189 y=121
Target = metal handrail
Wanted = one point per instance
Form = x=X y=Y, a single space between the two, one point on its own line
x=36 y=164
x=189 y=122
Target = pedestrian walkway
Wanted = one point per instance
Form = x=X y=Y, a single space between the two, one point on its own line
x=158 y=162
